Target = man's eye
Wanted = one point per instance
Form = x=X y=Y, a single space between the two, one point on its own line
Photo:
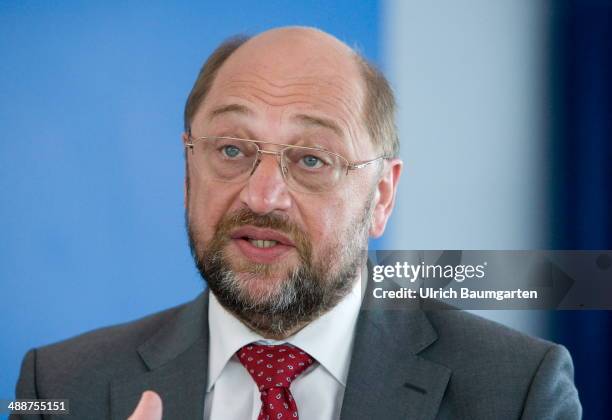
x=231 y=151
x=312 y=162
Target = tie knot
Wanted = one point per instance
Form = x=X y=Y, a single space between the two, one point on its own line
x=273 y=366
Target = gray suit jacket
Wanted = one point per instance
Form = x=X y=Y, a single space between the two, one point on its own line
x=414 y=364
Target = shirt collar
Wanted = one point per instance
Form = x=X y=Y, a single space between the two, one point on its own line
x=328 y=339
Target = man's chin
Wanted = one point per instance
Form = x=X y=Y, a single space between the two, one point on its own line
x=257 y=285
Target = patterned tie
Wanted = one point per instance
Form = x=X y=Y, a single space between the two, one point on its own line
x=273 y=368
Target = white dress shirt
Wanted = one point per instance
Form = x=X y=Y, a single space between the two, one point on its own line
x=231 y=393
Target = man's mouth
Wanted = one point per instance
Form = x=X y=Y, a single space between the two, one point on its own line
x=261 y=237
x=261 y=245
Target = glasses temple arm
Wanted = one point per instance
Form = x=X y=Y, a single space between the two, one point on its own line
x=359 y=165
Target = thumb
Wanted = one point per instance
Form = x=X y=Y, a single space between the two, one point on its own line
x=149 y=407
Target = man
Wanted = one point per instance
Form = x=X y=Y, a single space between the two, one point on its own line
x=291 y=164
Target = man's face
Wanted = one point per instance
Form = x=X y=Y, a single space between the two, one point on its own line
x=275 y=257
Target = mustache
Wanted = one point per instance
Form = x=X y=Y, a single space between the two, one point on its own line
x=245 y=216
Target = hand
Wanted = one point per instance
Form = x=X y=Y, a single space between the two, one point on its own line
x=149 y=407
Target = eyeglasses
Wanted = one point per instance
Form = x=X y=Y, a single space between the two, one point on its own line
x=304 y=169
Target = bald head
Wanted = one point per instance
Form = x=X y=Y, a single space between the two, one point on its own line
x=300 y=64
x=298 y=48
x=300 y=37
x=293 y=52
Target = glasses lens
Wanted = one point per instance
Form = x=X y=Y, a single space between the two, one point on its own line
x=225 y=159
x=312 y=170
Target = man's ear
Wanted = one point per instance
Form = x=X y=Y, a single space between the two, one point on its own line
x=185 y=138
x=384 y=197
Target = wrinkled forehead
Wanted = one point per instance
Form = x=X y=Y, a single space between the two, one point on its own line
x=294 y=72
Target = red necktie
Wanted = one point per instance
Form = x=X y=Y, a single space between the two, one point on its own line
x=273 y=368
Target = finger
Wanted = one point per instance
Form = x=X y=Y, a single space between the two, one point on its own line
x=149 y=407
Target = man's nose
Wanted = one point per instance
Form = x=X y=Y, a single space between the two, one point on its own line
x=266 y=190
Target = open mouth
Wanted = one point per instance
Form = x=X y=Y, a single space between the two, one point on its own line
x=261 y=237
x=261 y=245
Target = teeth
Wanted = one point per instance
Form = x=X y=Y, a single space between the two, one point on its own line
x=260 y=243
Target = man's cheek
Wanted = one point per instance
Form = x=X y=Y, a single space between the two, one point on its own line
x=333 y=215
x=202 y=224
x=323 y=231
x=208 y=213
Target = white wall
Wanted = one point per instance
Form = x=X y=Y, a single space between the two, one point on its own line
x=470 y=82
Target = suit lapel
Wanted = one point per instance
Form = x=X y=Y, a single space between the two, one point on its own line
x=387 y=378
x=177 y=359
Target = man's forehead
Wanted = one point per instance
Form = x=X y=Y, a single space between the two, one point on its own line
x=305 y=120
x=310 y=77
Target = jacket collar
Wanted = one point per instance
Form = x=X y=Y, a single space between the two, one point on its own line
x=387 y=377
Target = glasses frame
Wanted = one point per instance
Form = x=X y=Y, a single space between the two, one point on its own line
x=348 y=164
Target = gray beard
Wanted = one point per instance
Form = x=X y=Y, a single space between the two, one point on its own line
x=308 y=290
x=303 y=296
